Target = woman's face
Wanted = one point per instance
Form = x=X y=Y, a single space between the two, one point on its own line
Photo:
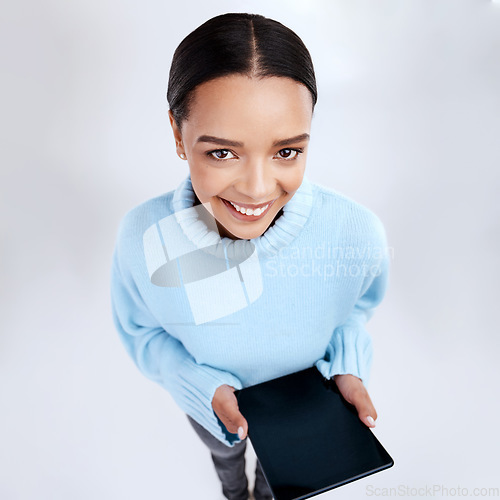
x=246 y=143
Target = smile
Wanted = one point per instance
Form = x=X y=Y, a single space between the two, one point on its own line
x=248 y=214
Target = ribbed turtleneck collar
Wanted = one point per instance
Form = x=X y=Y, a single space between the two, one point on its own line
x=284 y=230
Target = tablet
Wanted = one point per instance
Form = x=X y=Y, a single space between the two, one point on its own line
x=307 y=437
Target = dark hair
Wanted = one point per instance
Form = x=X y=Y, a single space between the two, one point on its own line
x=241 y=43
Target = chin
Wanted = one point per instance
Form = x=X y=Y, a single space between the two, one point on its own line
x=239 y=233
x=244 y=235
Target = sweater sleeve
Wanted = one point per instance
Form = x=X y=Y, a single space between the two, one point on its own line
x=163 y=358
x=350 y=349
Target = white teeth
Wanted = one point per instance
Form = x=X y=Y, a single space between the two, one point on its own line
x=249 y=211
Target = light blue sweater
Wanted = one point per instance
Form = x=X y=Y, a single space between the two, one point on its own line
x=195 y=311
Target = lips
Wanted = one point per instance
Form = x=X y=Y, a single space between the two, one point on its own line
x=244 y=217
x=254 y=207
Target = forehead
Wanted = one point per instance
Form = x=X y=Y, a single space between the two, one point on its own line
x=235 y=106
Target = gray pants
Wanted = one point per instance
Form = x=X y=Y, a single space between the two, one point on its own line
x=229 y=464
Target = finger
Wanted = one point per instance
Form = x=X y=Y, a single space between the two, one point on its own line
x=365 y=408
x=242 y=427
x=236 y=422
x=367 y=414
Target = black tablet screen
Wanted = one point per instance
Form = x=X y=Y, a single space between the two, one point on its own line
x=307 y=438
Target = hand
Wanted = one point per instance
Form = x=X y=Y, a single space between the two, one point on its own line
x=354 y=392
x=225 y=406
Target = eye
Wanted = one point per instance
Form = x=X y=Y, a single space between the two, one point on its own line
x=288 y=153
x=221 y=154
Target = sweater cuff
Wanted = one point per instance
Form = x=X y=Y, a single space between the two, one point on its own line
x=198 y=383
x=349 y=351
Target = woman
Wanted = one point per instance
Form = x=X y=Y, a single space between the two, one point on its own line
x=247 y=271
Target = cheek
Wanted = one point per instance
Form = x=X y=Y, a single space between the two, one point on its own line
x=207 y=182
x=291 y=182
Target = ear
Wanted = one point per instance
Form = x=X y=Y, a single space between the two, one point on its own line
x=177 y=134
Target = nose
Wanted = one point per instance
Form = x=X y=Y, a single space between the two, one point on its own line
x=258 y=183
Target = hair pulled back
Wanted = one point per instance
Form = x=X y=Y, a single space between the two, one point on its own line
x=236 y=43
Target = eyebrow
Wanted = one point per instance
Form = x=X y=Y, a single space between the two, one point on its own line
x=237 y=144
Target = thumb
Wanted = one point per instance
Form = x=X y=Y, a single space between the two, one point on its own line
x=238 y=424
x=366 y=410
x=242 y=427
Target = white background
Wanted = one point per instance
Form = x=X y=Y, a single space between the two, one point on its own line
x=407 y=123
